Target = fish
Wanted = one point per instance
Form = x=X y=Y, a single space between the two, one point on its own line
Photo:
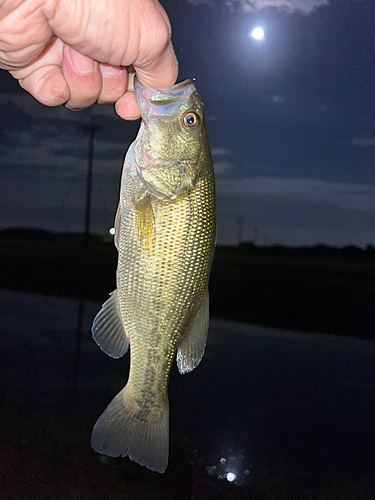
x=165 y=232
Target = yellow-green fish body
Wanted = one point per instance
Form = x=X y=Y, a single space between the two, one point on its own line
x=165 y=235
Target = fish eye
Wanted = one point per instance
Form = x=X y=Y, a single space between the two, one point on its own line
x=191 y=120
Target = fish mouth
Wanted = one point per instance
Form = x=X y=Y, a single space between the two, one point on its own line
x=165 y=101
x=176 y=88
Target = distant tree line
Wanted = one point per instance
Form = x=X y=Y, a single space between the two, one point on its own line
x=321 y=251
x=350 y=252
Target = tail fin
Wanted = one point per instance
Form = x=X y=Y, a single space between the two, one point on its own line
x=124 y=429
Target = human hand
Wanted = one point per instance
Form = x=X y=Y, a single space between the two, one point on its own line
x=77 y=52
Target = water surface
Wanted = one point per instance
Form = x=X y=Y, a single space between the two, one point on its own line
x=267 y=414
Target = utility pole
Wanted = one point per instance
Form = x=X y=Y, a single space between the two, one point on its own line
x=91 y=129
x=239 y=232
x=255 y=233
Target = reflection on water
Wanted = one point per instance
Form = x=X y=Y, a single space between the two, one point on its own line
x=78 y=346
x=267 y=414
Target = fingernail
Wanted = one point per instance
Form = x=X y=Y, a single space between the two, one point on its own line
x=72 y=109
x=108 y=70
x=81 y=63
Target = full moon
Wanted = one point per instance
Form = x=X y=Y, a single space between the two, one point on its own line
x=257 y=33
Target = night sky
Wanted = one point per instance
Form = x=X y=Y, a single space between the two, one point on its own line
x=291 y=121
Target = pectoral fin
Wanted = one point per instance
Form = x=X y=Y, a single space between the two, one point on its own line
x=117 y=227
x=191 y=349
x=145 y=225
x=108 y=330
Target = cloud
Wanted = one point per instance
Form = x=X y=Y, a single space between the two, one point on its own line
x=27 y=104
x=55 y=198
x=304 y=6
x=222 y=167
x=339 y=194
x=276 y=99
x=59 y=152
x=363 y=141
x=219 y=151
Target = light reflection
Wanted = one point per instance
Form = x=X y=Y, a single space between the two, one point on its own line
x=231 y=467
x=112 y=231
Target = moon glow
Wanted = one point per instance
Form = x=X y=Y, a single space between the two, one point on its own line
x=257 y=33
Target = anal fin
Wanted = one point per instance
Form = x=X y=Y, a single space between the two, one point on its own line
x=191 y=349
x=107 y=329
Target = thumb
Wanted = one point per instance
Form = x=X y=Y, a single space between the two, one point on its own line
x=159 y=72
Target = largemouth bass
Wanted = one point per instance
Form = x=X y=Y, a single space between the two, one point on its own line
x=165 y=236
